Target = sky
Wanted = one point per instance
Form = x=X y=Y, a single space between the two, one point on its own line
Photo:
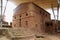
x=55 y=12
x=9 y=11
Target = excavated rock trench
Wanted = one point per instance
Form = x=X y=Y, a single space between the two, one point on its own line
x=23 y=34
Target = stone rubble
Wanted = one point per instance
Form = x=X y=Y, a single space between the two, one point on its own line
x=16 y=34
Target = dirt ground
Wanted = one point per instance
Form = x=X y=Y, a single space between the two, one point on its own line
x=46 y=37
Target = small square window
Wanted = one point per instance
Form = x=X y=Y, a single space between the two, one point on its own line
x=43 y=13
x=20 y=15
x=26 y=14
x=47 y=24
x=40 y=11
x=20 y=19
x=26 y=22
x=46 y=14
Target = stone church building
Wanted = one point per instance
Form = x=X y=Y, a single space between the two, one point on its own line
x=31 y=16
